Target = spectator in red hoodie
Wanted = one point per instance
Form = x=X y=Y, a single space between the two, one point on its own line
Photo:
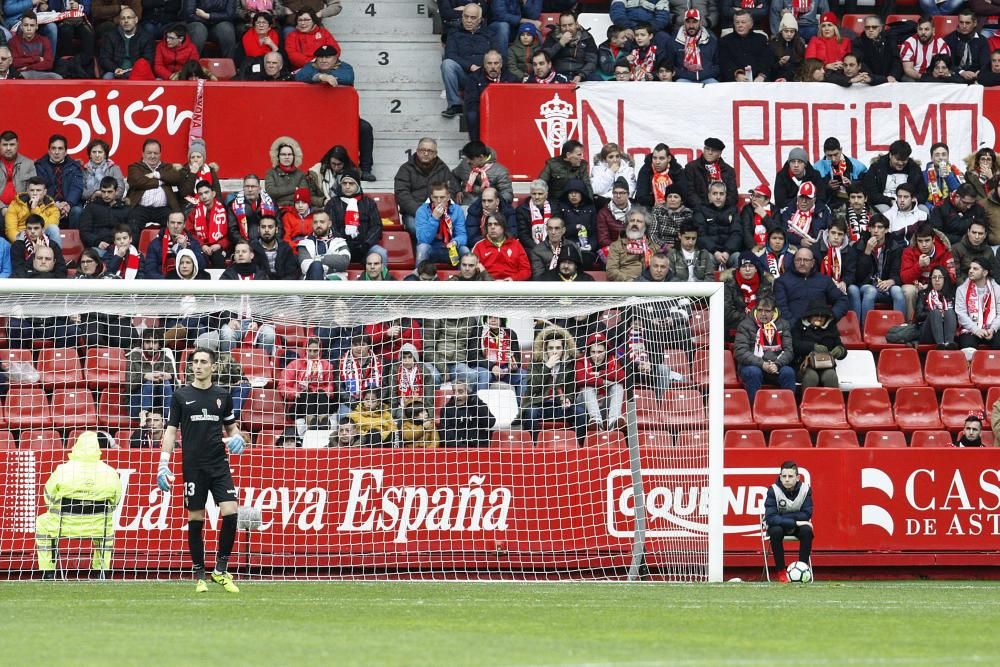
x=601 y=380
x=500 y=253
x=32 y=52
x=208 y=222
x=173 y=52
x=926 y=251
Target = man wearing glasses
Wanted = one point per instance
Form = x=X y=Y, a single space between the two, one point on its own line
x=877 y=49
x=414 y=177
x=796 y=289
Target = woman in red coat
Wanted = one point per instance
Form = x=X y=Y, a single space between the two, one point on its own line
x=308 y=388
x=172 y=52
x=828 y=45
x=260 y=38
x=600 y=378
x=309 y=35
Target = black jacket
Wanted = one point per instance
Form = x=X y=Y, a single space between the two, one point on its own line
x=474 y=220
x=369 y=224
x=719 y=229
x=578 y=58
x=786 y=190
x=576 y=217
x=21 y=266
x=98 y=221
x=866 y=271
x=240 y=271
x=523 y=215
x=112 y=55
x=806 y=337
x=467 y=425
x=476 y=83
x=739 y=52
x=644 y=181
x=697 y=178
x=881 y=56
x=875 y=179
x=955 y=223
x=286 y=264
x=748 y=224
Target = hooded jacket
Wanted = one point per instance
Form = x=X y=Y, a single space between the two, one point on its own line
x=281 y=186
x=83 y=478
x=412 y=183
x=746 y=340
x=369 y=231
x=805 y=337
x=581 y=219
x=734 y=304
x=543 y=384
x=153 y=266
x=794 y=291
x=644 y=181
x=519 y=57
x=875 y=179
x=910 y=270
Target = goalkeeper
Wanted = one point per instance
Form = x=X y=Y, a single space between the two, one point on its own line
x=200 y=409
x=84 y=492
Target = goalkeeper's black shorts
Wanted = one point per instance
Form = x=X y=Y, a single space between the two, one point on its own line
x=199 y=482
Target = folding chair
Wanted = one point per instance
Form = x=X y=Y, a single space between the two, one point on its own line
x=99 y=549
x=765 y=544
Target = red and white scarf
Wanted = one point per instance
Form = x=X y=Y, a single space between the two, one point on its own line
x=714 y=172
x=692 y=54
x=480 y=172
x=357 y=378
x=204 y=174
x=832 y=265
x=768 y=337
x=979 y=308
x=410 y=383
x=352 y=218
x=801 y=222
x=554 y=262
x=210 y=226
x=800 y=7
x=661 y=181
x=642 y=65
x=445 y=228
x=496 y=347
x=538 y=219
x=937 y=301
x=129 y=267
x=748 y=289
x=638 y=247
x=29 y=245
x=774 y=264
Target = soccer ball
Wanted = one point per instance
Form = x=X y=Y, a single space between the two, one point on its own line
x=799 y=572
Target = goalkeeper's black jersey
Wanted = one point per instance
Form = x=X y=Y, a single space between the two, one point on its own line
x=200 y=415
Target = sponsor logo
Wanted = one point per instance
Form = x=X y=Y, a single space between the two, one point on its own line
x=676 y=500
x=204 y=417
x=470 y=507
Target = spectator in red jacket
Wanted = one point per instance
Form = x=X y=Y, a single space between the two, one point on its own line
x=388 y=338
x=32 y=52
x=500 y=253
x=208 y=222
x=926 y=251
x=173 y=52
x=601 y=380
x=829 y=45
x=308 y=36
x=260 y=38
x=307 y=386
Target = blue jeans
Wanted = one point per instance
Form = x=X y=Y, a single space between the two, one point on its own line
x=437 y=252
x=753 y=378
x=152 y=396
x=500 y=31
x=239 y=392
x=943 y=9
x=864 y=298
x=453 y=77
x=476 y=378
x=410 y=222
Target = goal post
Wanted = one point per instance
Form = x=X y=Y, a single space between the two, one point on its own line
x=478 y=430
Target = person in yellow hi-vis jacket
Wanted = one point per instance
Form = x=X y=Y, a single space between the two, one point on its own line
x=78 y=490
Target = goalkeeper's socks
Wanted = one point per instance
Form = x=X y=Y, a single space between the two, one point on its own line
x=227 y=539
x=196 y=544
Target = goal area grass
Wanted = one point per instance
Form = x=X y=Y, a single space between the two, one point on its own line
x=407 y=623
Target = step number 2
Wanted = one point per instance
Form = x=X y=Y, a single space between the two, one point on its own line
x=370 y=9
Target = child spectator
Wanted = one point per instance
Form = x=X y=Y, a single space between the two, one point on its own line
x=417 y=429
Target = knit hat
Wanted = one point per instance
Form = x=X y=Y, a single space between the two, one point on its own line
x=351 y=174
x=570 y=252
x=673 y=189
x=798 y=154
x=622 y=183
x=715 y=144
x=529 y=28
x=303 y=195
x=198 y=146
x=807 y=189
x=828 y=17
x=788 y=21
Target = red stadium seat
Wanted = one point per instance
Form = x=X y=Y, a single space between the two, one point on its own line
x=388 y=209
x=916 y=409
x=784 y=438
x=7 y=441
x=224 y=69
x=699 y=369
x=946 y=368
x=854 y=22
x=113 y=410
x=744 y=440
x=737 y=413
x=604 y=439
x=512 y=438
x=823 y=408
x=683 y=408
x=59 y=366
x=649 y=410
x=932 y=439
x=775 y=408
x=557 y=439
x=27 y=408
x=146 y=237
x=105 y=367
x=70 y=244
x=291 y=335
x=885 y=439
x=731 y=380
x=400 y=249
x=900 y=367
x=957 y=404
x=73 y=407
x=837 y=439
x=549 y=21
x=985 y=369
x=679 y=361
x=257 y=365
x=877 y=323
x=895 y=18
x=122 y=437
x=850 y=331
x=944 y=25
x=655 y=439
x=992 y=396
x=869 y=410
x=25 y=359
x=41 y=439
x=263 y=410
x=691 y=439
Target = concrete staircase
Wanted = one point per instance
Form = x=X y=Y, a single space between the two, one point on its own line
x=396 y=59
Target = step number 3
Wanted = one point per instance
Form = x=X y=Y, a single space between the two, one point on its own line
x=383 y=57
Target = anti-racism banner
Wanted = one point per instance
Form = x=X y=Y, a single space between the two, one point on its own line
x=237 y=120
x=508 y=507
x=759 y=122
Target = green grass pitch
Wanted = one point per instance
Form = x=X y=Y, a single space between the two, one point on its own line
x=826 y=623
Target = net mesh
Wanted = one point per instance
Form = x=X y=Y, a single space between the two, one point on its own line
x=392 y=436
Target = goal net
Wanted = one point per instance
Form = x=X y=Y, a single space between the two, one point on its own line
x=394 y=430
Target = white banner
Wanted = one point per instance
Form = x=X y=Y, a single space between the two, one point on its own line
x=761 y=122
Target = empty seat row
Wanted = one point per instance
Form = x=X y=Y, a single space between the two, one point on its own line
x=841 y=438
x=942 y=369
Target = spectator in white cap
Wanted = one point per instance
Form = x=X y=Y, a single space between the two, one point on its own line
x=805 y=218
x=796 y=171
x=696 y=51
